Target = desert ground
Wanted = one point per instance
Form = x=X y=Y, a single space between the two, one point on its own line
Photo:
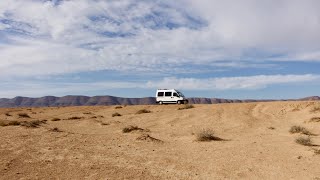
x=96 y=143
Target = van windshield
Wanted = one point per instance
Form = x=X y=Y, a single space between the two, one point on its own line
x=180 y=94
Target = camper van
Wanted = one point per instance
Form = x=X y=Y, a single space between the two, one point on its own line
x=172 y=96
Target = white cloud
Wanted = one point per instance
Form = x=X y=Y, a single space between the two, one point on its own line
x=45 y=38
x=37 y=89
x=231 y=83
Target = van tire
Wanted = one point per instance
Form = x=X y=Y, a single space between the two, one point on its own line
x=160 y=102
x=178 y=102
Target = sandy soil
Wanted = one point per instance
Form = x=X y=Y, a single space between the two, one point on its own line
x=258 y=144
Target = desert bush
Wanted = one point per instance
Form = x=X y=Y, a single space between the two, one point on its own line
x=306 y=141
x=3 y=123
x=315 y=109
x=7 y=114
x=55 y=130
x=87 y=113
x=187 y=106
x=271 y=128
x=23 y=115
x=118 y=107
x=74 y=118
x=104 y=123
x=14 y=123
x=131 y=128
x=141 y=111
x=317 y=151
x=116 y=114
x=32 y=124
x=147 y=137
x=55 y=119
x=207 y=135
x=299 y=129
x=315 y=119
x=93 y=117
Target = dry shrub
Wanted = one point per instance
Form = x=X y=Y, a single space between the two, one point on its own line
x=3 y=124
x=207 y=135
x=7 y=114
x=271 y=128
x=142 y=111
x=116 y=114
x=104 y=124
x=317 y=151
x=33 y=124
x=87 y=113
x=315 y=109
x=74 y=118
x=306 y=141
x=147 y=137
x=187 y=106
x=55 y=130
x=300 y=129
x=131 y=128
x=23 y=115
x=55 y=119
x=94 y=117
x=118 y=107
x=315 y=119
x=14 y=123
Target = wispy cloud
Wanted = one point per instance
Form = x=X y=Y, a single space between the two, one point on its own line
x=231 y=83
x=211 y=84
x=56 y=37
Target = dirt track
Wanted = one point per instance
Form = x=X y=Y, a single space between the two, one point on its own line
x=258 y=146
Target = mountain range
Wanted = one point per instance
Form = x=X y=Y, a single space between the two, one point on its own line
x=112 y=100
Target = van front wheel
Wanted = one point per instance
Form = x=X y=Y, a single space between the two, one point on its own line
x=160 y=102
x=178 y=102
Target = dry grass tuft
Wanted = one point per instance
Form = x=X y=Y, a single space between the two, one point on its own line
x=116 y=114
x=131 y=128
x=315 y=109
x=14 y=123
x=55 y=130
x=299 y=129
x=74 y=118
x=187 y=106
x=317 y=151
x=118 y=107
x=142 y=111
x=271 y=128
x=33 y=124
x=23 y=115
x=147 y=137
x=87 y=113
x=315 y=119
x=3 y=124
x=8 y=114
x=55 y=119
x=207 y=135
x=306 y=141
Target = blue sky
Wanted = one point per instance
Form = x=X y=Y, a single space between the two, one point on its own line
x=256 y=49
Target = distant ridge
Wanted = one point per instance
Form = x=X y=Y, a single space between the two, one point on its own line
x=112 y=100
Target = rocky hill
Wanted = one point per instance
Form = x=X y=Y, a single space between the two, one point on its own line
x=112 y=100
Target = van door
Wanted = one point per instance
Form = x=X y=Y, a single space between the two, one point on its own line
x=168 y=96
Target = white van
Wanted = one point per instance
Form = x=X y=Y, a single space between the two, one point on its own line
x=170 y=96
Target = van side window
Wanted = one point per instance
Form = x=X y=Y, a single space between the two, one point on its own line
x=160 y=94
x=175 y=94
x=168 y=94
